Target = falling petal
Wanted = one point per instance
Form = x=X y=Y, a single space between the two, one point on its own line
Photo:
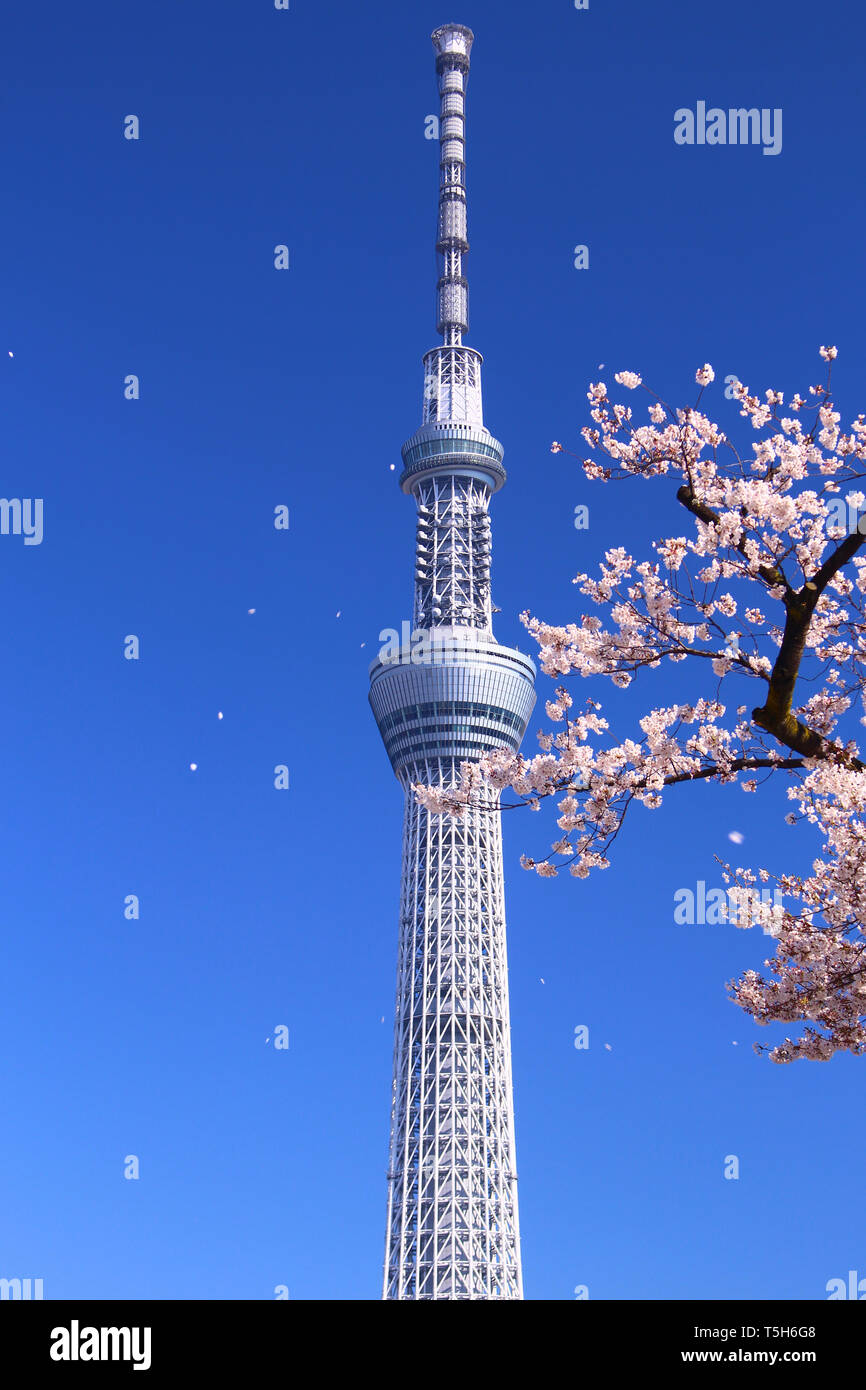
x=737 y=837
x=251 y=610
x=608 y=1046
x=220 y=715
x=193 y=767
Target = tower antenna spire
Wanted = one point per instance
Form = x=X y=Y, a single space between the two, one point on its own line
x=452 y=1224
x=452 y=373
x=452 y=44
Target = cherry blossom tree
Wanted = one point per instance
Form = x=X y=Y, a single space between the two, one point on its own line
x=768 y=585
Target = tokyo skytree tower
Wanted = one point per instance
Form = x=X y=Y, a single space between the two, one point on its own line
x=451 y=694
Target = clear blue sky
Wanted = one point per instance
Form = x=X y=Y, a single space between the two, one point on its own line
x=258 y=388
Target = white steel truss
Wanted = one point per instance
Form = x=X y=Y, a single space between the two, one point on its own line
x=452 y=1224
x=452 y=385
x=452 y=1206
x=452 y=553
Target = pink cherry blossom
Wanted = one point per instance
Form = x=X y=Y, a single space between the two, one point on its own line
x=768 y=586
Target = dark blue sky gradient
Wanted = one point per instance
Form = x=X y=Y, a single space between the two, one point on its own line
x=261 y=907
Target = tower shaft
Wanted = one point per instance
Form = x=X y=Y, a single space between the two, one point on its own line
x=452 y=1211
x=451 y=694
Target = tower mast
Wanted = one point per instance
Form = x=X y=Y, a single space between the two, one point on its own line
x=452 y=1223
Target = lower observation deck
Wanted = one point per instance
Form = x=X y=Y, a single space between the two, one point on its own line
x=457 y=699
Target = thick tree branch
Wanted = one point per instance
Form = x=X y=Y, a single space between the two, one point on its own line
x=776 y=715
x=772 y=574
x=738 y=765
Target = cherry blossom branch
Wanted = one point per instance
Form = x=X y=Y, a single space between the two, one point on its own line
x=775 y=520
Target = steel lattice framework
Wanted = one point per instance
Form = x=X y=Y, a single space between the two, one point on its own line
x=450 y=694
